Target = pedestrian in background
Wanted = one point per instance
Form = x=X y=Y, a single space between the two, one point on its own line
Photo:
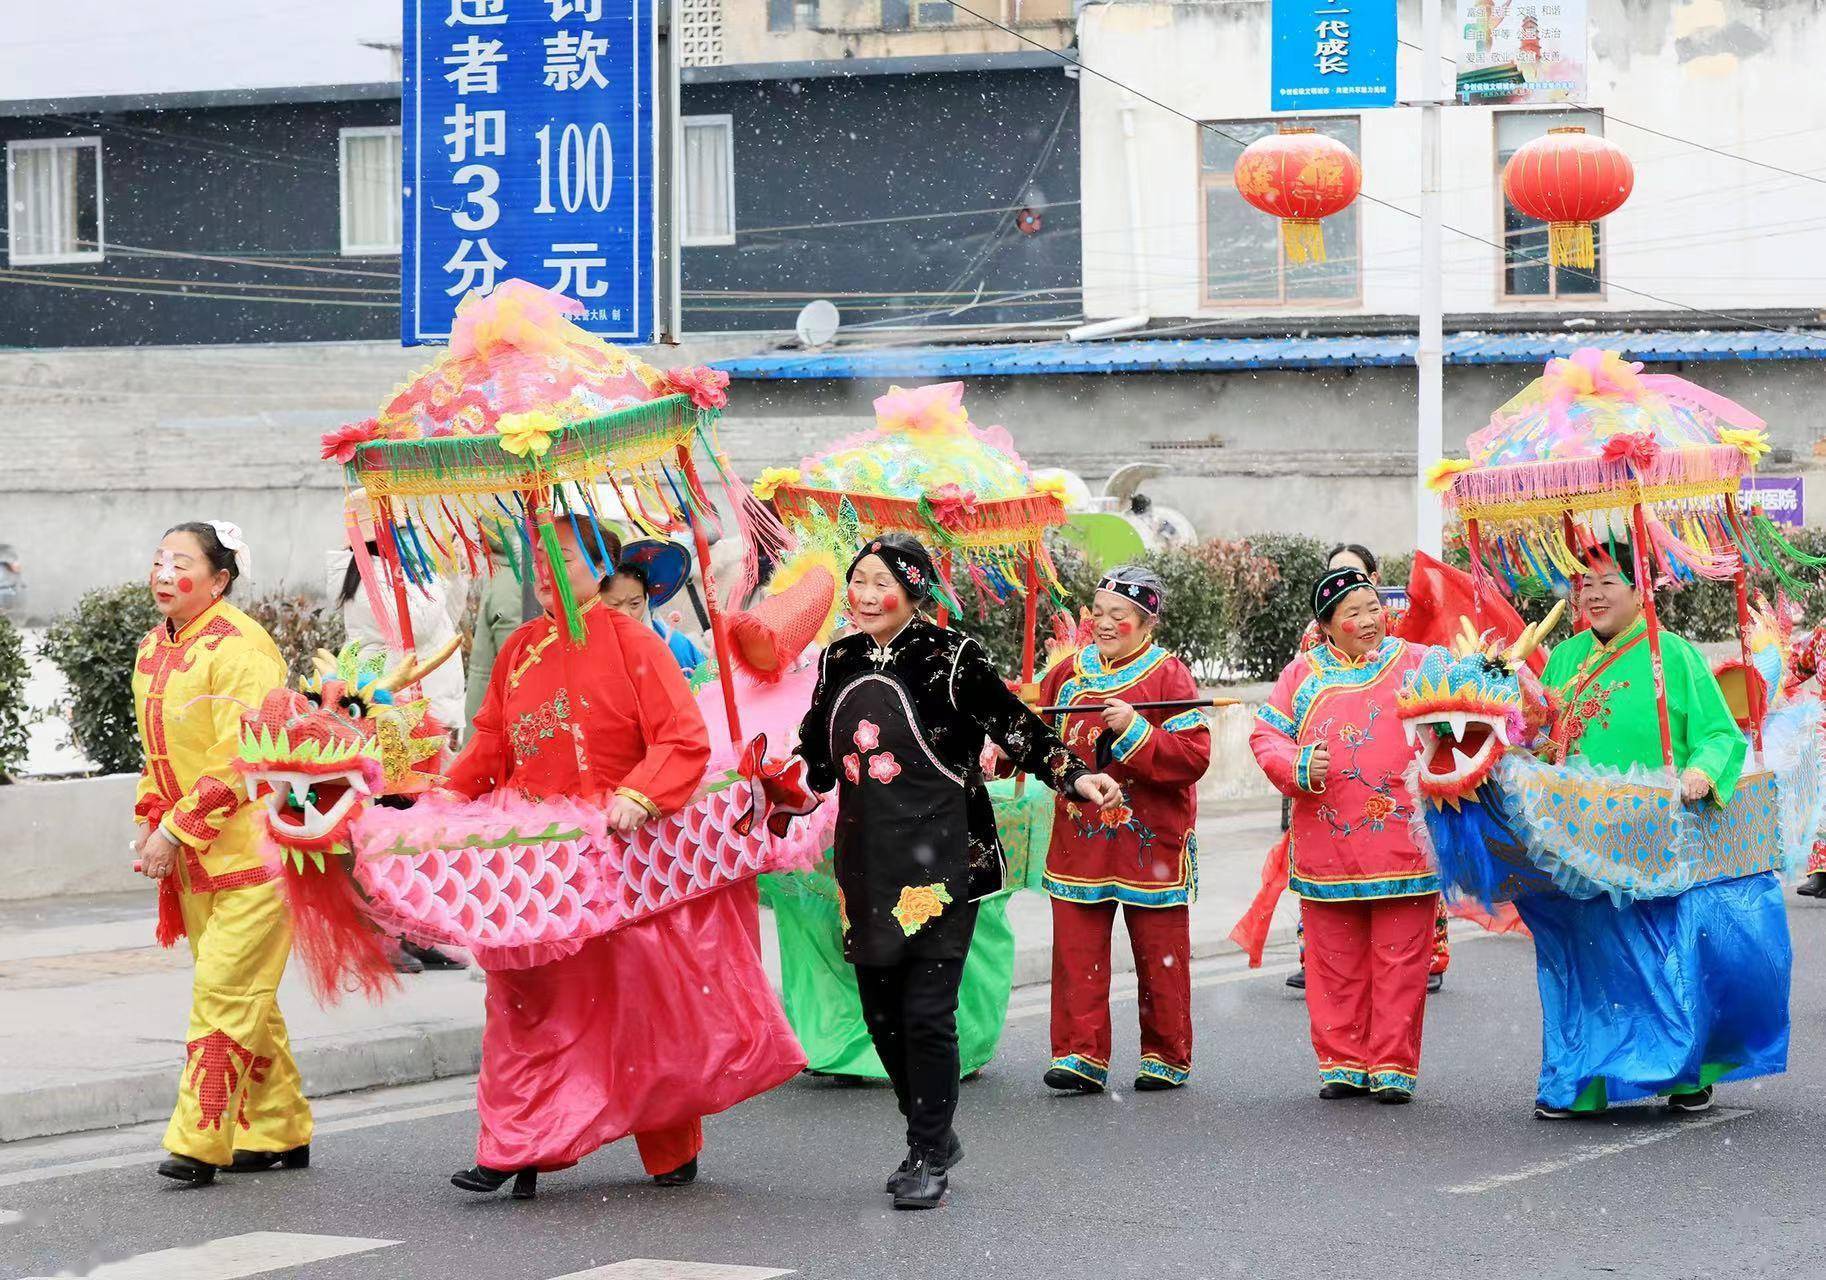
x=499 y=613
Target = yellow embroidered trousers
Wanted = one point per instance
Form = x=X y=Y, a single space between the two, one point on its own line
x=240 y=1088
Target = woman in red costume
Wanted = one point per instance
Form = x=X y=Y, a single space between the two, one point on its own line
x=647 y=1029
x=1328 y=738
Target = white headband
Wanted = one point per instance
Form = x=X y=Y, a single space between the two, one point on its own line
x=229 y=535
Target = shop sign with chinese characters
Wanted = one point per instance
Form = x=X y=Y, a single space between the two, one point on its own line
x=528 y=145
x=1332 y=54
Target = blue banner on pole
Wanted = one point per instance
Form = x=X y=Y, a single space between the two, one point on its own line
x=527 y=142
x=1332 y=54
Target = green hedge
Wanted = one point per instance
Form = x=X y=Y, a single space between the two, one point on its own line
x=15 y=715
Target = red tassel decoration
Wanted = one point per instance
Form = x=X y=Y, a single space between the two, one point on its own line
x=1251 y=932
x=333 y=936
x=171 y=912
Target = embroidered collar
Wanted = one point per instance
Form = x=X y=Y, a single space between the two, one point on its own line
x=1332 y=670
x=881 y=653
x=176 y=635
x=1328 y=657
x=1603 y=652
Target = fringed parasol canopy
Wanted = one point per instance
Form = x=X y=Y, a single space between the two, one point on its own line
x=1562 y=466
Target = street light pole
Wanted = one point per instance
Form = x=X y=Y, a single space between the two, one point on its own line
x=1429 y=355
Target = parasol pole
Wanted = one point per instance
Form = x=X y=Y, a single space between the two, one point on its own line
x=1031 y=626
x=719 y=628
x=1474 y=541
x=1753 y=686
x=1645 y=583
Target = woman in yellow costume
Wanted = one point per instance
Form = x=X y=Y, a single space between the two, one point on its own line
x=239 y=1104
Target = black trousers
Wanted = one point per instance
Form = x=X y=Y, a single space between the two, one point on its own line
x=911 y=1010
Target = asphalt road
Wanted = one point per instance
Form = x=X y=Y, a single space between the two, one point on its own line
x=1243 y=1174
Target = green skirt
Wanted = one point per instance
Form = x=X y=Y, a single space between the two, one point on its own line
x=819 y=986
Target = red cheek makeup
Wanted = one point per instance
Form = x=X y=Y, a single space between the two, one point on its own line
x=186 y=585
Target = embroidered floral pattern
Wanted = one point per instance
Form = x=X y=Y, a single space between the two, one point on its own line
x=1380 y=807
x=920 y=904
x=884 y=768
x=535 y=726
x=217 y=1062
x=843 y=910
x=867 y=736
x=852 y=768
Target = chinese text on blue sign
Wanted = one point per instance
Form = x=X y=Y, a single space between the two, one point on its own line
x=1332 y=54
x=527 y=139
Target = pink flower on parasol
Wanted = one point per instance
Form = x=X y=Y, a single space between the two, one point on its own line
x=340 y=445
x=1634 y=448
x=705 y=386
x=951 y=505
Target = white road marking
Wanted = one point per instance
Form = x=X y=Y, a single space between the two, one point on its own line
x=233 y=1257
x=664 y=1269
x=1673 y=1128
x=345 y=1125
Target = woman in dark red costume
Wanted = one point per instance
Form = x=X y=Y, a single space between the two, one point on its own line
x=650 y=1028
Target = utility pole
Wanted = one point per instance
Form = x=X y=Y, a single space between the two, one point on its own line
x=1429 y=357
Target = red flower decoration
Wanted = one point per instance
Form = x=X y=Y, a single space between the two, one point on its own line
x=868 y=735
x=1378 y=807
x=884 y=767
x=951 y=505
x=340 y=445
x=705 y=386
x=1636 y=448
x=852 y=768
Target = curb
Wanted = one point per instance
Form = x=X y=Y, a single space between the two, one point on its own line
x=412 y=1054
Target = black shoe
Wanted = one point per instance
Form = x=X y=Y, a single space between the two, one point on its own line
x=1692 y=1102
x=1435 y=981
x=1393 y=1097
x=405 y=962
x=260 y=1161
x=1337 y=1090
x=1297 y=979
x=1814 y=886
x=485 y=1180
x=683 y=1176
x=923 y=1187
x=954 y=1154
x=1069 y=1081
x=431 y=957
x=1154 y=1084
x=186 y=1169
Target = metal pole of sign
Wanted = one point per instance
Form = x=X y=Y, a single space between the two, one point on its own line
x=1429 y=355
x=668 y=194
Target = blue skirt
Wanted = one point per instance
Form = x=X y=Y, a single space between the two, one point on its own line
x=1660 y=995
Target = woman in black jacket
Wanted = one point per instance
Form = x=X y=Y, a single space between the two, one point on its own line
x=897 y=723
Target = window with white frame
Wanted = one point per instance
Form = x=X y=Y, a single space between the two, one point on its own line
x=1527 y=270
x=1244 y=263
x=371 y=190
x=53 y=201
x=708 y=173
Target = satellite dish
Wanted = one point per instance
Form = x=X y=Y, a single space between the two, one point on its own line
x=817 y=323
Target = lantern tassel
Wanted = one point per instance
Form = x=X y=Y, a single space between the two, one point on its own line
x=1304 y=239
x=1570 y=244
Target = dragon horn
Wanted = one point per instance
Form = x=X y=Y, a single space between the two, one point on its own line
x=1531 y=636
x=325 y=662
x=412 y=670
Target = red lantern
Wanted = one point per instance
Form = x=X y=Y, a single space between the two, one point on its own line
x=1299 y=176
x=1569 y=179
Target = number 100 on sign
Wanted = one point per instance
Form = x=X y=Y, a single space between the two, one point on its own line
x=527 y=138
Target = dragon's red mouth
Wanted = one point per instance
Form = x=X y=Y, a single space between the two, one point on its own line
x=1457 y=751
x=304 y=807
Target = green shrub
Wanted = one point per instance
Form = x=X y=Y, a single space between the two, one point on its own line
x=95 y=647
x=299 y=625
x=14 y=714
x=1269 y=634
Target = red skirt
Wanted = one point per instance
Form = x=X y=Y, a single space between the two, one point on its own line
x=646 y=1028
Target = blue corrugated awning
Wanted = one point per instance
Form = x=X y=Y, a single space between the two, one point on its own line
x=1222 y=355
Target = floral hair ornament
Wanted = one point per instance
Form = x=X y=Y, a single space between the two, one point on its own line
x=229 y=535
x=1329 y=592
x=1139 y=586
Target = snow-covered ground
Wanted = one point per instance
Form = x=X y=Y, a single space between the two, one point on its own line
x=50 y=749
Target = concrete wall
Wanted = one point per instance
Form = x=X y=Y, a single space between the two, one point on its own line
x=1703 y=229
x=63 y=838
